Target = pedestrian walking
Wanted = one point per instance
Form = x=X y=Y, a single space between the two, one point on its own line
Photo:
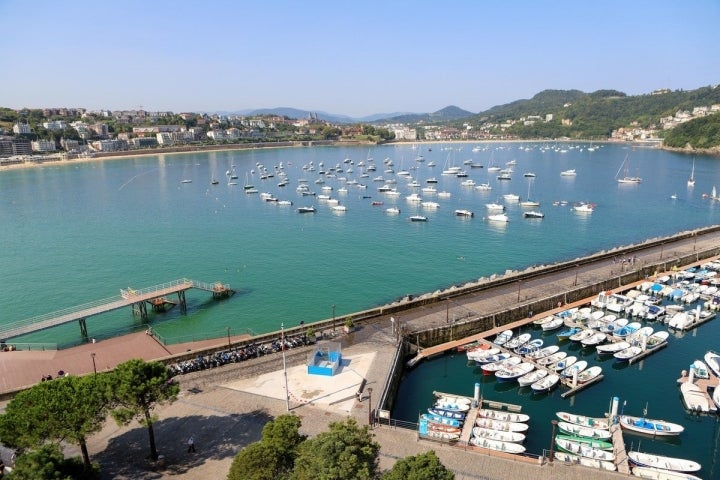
x=191 y=445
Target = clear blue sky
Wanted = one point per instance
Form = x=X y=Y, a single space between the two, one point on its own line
x=347 y=57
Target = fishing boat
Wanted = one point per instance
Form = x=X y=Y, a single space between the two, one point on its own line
x=500 y=425
x=564 y=363
x=584 y=461
x=584 y=450
x=553 y=324
x=649 y=427
x=589 y=441
x=567 y=333
x=574 y=369
x=514 y=437
x=491 y=368
x=657 y=339
x=584 y=421
x=658 y=461
x=507 y=447
x=529 y=347
x=587 y=432
x=628 y=354
x=502 y=415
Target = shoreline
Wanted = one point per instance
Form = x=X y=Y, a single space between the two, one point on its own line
x=131 y=154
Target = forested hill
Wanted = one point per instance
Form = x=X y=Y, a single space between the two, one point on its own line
x=699 y=134
x=593 y=115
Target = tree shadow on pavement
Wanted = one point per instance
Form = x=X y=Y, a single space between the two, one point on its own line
x=216 y=437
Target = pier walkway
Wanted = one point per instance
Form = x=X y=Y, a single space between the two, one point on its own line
x=127 y=298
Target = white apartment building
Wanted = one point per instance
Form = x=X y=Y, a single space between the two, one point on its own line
x=21 y=128
x=43 y=146
x=55 y=125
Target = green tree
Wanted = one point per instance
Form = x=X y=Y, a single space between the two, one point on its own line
x=424 y=466
x=66 y=409
x=48 y=463
x=347 y=451
x=273 y=456
x=138 y=387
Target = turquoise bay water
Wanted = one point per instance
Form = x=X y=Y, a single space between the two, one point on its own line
x=76 y=233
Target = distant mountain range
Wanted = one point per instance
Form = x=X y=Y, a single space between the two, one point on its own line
x=447 y=113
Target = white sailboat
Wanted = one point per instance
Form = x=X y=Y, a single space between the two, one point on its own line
x=691 y=180
x=626 y=178
x=527 y=202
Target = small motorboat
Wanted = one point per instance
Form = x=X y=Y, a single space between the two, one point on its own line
x=649 y=427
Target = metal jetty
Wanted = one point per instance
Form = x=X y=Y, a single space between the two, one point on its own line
x=129 y=297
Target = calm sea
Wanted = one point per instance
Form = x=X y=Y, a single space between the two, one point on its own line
x=76 y=233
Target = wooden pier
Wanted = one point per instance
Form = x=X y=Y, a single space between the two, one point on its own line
x=621 y=458
x=136 y=299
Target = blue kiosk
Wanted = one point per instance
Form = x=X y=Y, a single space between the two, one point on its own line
x=325 y=359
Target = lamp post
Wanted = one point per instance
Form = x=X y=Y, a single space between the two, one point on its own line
x=93 y=360
x=552 y=439
x=282 y=342
x=370 y=419
x=228 y=335
x=333 y=307
x=577 y=270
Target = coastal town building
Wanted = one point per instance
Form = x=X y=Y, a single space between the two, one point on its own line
x=21 y=129
x=43 y=146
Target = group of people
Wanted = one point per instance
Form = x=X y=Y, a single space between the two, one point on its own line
x=48 y=377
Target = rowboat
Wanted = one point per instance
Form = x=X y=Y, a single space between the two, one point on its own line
x=584 y=421
x=532 y=377
x=580 y=431
x=491 y=368
x=530 y=347
x=628 y=353
x=553 y=324
x=589 y=374
x=514 y=372
x=551 y=359
x=542 y=320
x=439 y=427
x=584 y=450
x=565 y=363
x=567 y=333
x=518 y=341
x=480 y=355
x=649 y=427
x=584 y=461
x=503 y=416
x=455 y=404
x=447 y=413
x=546 y=384
x=514 y=437
x=660 y=474
x=442 y=435
x=543 y=352
x=594 y=339
x=507 y=447
x=503 y=337
x=612 y=347
x=502 y=426
x=592 y=442
x=582 y=335
x=430 y=418
x=667 y=463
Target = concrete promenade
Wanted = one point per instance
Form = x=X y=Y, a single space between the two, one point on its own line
x=225 y=408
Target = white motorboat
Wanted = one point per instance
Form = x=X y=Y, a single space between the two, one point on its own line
x=464 y=213
x=694 y=398
x=657 y=339
x=498 y=217
x=491 y=368
x=564 y=363
x=392 y=211
x=699 y=369
x=532 y=346
x=551 y=359
x=582 y=335
x=658 y=461
x=480 y=355
x=589 y=374
x=583 y=208
x=594 y=339
x=568 y=173
x=514 y=437
x=553 y=324
x=712 y=360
